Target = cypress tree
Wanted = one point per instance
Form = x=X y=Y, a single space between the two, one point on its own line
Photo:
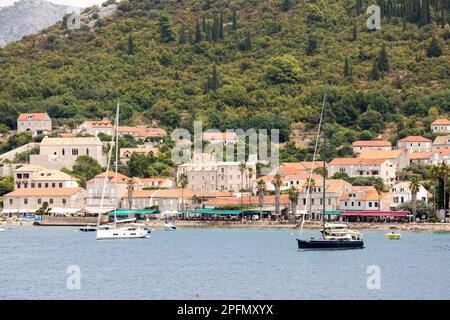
x=208 y=32
x=358 y=7
x=312 y=46
x=221 y=33
x=355 y=33
x=434 y=49
x=191 y=37
x=215 y=83
x=215 y=29
x=182 y=35
x=375 y=75
x=131 y=48
x=166 y=34
x=383 y=60
x=203 y=23
x=347 y=70
x=234 y=20
x=198 y=32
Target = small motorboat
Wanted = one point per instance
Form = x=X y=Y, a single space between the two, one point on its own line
x=394 y=234
x=88 y=229
x=2 y=230
x=169 y=226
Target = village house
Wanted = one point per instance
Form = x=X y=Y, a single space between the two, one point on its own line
x=32 y=176
x=401 y=193
x=440 y=126
x=415 y=144
x=362 y=167
x=142 y=132
x=210 y=176
x=114 y=189
x=125 y=153
x=157 y=183
x=57 y=153
x=163 y=199
x=365 y=198
x=362 y=145
x=60 y=201
x=36 y=123
x=220 y=137
x=96 y=127
x=440 y=156
x=441 y=142
x=398 y=157
x=303 y=166
x=296 y=180
x=419 y=157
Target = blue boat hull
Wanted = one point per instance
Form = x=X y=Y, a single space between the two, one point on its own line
x=321 y=244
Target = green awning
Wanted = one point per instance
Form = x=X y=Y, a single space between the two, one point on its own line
x=126 y=213
x=332 y=212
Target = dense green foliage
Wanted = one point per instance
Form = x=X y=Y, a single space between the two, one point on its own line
x=240 y=64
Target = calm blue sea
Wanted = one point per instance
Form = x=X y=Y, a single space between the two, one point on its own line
x=219 y=264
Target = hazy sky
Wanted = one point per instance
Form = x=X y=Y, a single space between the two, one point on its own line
x=75 y=3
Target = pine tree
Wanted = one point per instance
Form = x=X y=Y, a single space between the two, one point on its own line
x=131 y=48
x=247 y=43
x=198 y=32
x=166 y=34
x=191 y=37
x=182 y=35
x=347 y=70
x=358 y=7
x=383 y=60
x=203 y=23
x=234 y=20
x=286 y=5
x=208 y=32
x=434 y=49
x=215 y=29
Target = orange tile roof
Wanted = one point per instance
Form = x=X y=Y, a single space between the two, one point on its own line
x=211 y=136
x=34 y=116
x=289 y=170
x=419 y=155
x=55 y=192
x=111 y=176
x=164 y=193
x=441 y=122
x=303 y=165
x=372 y=143
x=380 y=154
x=254 y=200
x=355 y=161
x=100 y=123
x=219 y=194
x=145 y=132
x=414 y=139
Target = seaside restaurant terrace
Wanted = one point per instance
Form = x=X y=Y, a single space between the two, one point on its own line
x=222 y=215
x=136 y=214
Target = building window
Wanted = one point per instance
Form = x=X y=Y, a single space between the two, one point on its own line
x=64 y=201
x=53 y=185
x=87 y=151
x=19 y=176
x=32 y=184
x=39 y=185
x=11 y=201
x=39 y=201
x=46 y=185
x=370 y=204
x=60 y=185
x=74 y=152
x=51 y=201
x=25 y=201
x=63 y=152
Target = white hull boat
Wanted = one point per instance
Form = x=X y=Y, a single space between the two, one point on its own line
x=169 y=226
x=109 y=233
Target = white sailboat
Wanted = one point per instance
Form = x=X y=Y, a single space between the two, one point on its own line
x=119 y=229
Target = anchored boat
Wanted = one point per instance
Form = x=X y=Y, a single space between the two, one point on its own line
x=334 y=236
x=394 y=234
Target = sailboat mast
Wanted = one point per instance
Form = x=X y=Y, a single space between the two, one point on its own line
x=117 y=162
x=323 y=159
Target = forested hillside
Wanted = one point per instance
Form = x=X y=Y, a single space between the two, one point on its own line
x=241 y=64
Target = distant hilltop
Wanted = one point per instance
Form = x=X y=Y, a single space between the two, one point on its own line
x=28 y=17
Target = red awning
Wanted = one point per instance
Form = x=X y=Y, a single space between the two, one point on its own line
x=376 y=213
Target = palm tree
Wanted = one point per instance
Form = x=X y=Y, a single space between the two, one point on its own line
x=310 y=184
x=443 y=172
x=414 y=187
x=130 y=189
x=183 y=182
x=277 y=182
x=379 y=186
x=242 y=168
x=433 y=172
x=293 y=198
x=249 y=184
x=261 y=189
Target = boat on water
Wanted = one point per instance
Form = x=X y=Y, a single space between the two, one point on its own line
x=122 y=229
x=169 y=226
x=2 y=230
x=88 y=229
x=394 y=234
x=334 y=236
